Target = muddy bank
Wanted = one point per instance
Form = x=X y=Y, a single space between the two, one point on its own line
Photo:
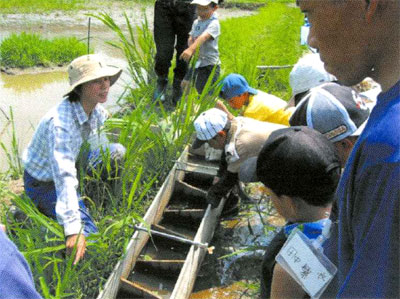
x=70 y=21
x=33 y=70
x=43 y=87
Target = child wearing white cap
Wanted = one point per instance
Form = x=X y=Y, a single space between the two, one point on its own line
x=68 y=139
x=204 y=35
x=239 y=138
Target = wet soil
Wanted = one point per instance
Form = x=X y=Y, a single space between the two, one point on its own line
x=233 y=270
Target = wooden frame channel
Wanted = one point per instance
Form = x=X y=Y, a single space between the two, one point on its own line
x=155 y=267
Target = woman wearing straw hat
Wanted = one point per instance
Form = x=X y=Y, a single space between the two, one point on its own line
x=68 y=132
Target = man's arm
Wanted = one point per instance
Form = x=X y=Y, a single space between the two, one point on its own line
x=369 y=233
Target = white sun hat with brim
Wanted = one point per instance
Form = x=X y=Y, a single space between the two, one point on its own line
x=90 y=67
x=204 y=2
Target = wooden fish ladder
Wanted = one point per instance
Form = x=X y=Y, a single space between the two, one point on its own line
x=158 y=267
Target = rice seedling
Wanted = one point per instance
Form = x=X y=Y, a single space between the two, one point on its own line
x=14 y=6
x=30 y=49
x=12 y=154
x=45 y=6
x=271 y=37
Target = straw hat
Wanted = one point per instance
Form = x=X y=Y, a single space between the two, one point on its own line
x=90 y=67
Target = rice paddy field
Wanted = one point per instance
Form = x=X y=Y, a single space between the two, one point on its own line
x=153 y=135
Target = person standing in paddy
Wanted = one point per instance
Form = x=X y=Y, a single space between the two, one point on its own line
x=71 y=133
x=204 y=35
x=173 y=20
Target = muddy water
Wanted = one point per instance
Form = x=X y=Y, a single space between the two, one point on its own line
x=31 y=95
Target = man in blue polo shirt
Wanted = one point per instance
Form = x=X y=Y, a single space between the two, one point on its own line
x=358 y=39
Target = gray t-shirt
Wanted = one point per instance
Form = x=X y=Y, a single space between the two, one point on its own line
x=208 y=54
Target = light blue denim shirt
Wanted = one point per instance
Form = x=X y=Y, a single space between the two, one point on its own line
x=53 y=151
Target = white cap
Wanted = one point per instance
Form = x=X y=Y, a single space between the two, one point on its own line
x=204 y=2
x=208 y=124
x=307 y=73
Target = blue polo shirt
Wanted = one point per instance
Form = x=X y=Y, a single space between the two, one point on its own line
x=365 y=246
x=15 y=276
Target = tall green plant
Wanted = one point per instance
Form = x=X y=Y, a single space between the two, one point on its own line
x=271 y=37
x=137 y=46
x=13 y=154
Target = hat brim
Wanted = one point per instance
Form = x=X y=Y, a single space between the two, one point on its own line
x=360 y=129
x=252 y=90
x=198 y=143
x=109 y=71
x=248 y=171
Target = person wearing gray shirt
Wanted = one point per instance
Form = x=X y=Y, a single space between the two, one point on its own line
x=204 y=34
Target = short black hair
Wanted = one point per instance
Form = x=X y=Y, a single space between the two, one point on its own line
x=74 y=95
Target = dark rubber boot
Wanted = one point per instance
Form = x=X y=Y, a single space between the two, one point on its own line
x=161 y=88
x=176 y=91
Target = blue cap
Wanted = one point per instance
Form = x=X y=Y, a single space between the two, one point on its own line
x=234 y=85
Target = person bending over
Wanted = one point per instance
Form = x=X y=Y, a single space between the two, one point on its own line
x=239 y=138
x=255 y=103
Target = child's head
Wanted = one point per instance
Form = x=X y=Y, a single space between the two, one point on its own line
x=235 y=90
x=307 y=73
x=337 y=111
x=297 y=163
x=205 y=8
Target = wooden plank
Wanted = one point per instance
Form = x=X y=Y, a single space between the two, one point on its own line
x=191 y=167
x=185 y=283
x=153 y=216
x=137 y=290
x=189 y=190
x=193 y=213
x=170 y=265
x=139 y=238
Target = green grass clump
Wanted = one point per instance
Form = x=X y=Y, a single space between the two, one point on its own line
x=36 y=6
x=271 y=37
x=28 y=50
x=47 y=6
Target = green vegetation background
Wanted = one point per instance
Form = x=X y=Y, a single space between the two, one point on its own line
x=154 y=138
x=30 y=49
